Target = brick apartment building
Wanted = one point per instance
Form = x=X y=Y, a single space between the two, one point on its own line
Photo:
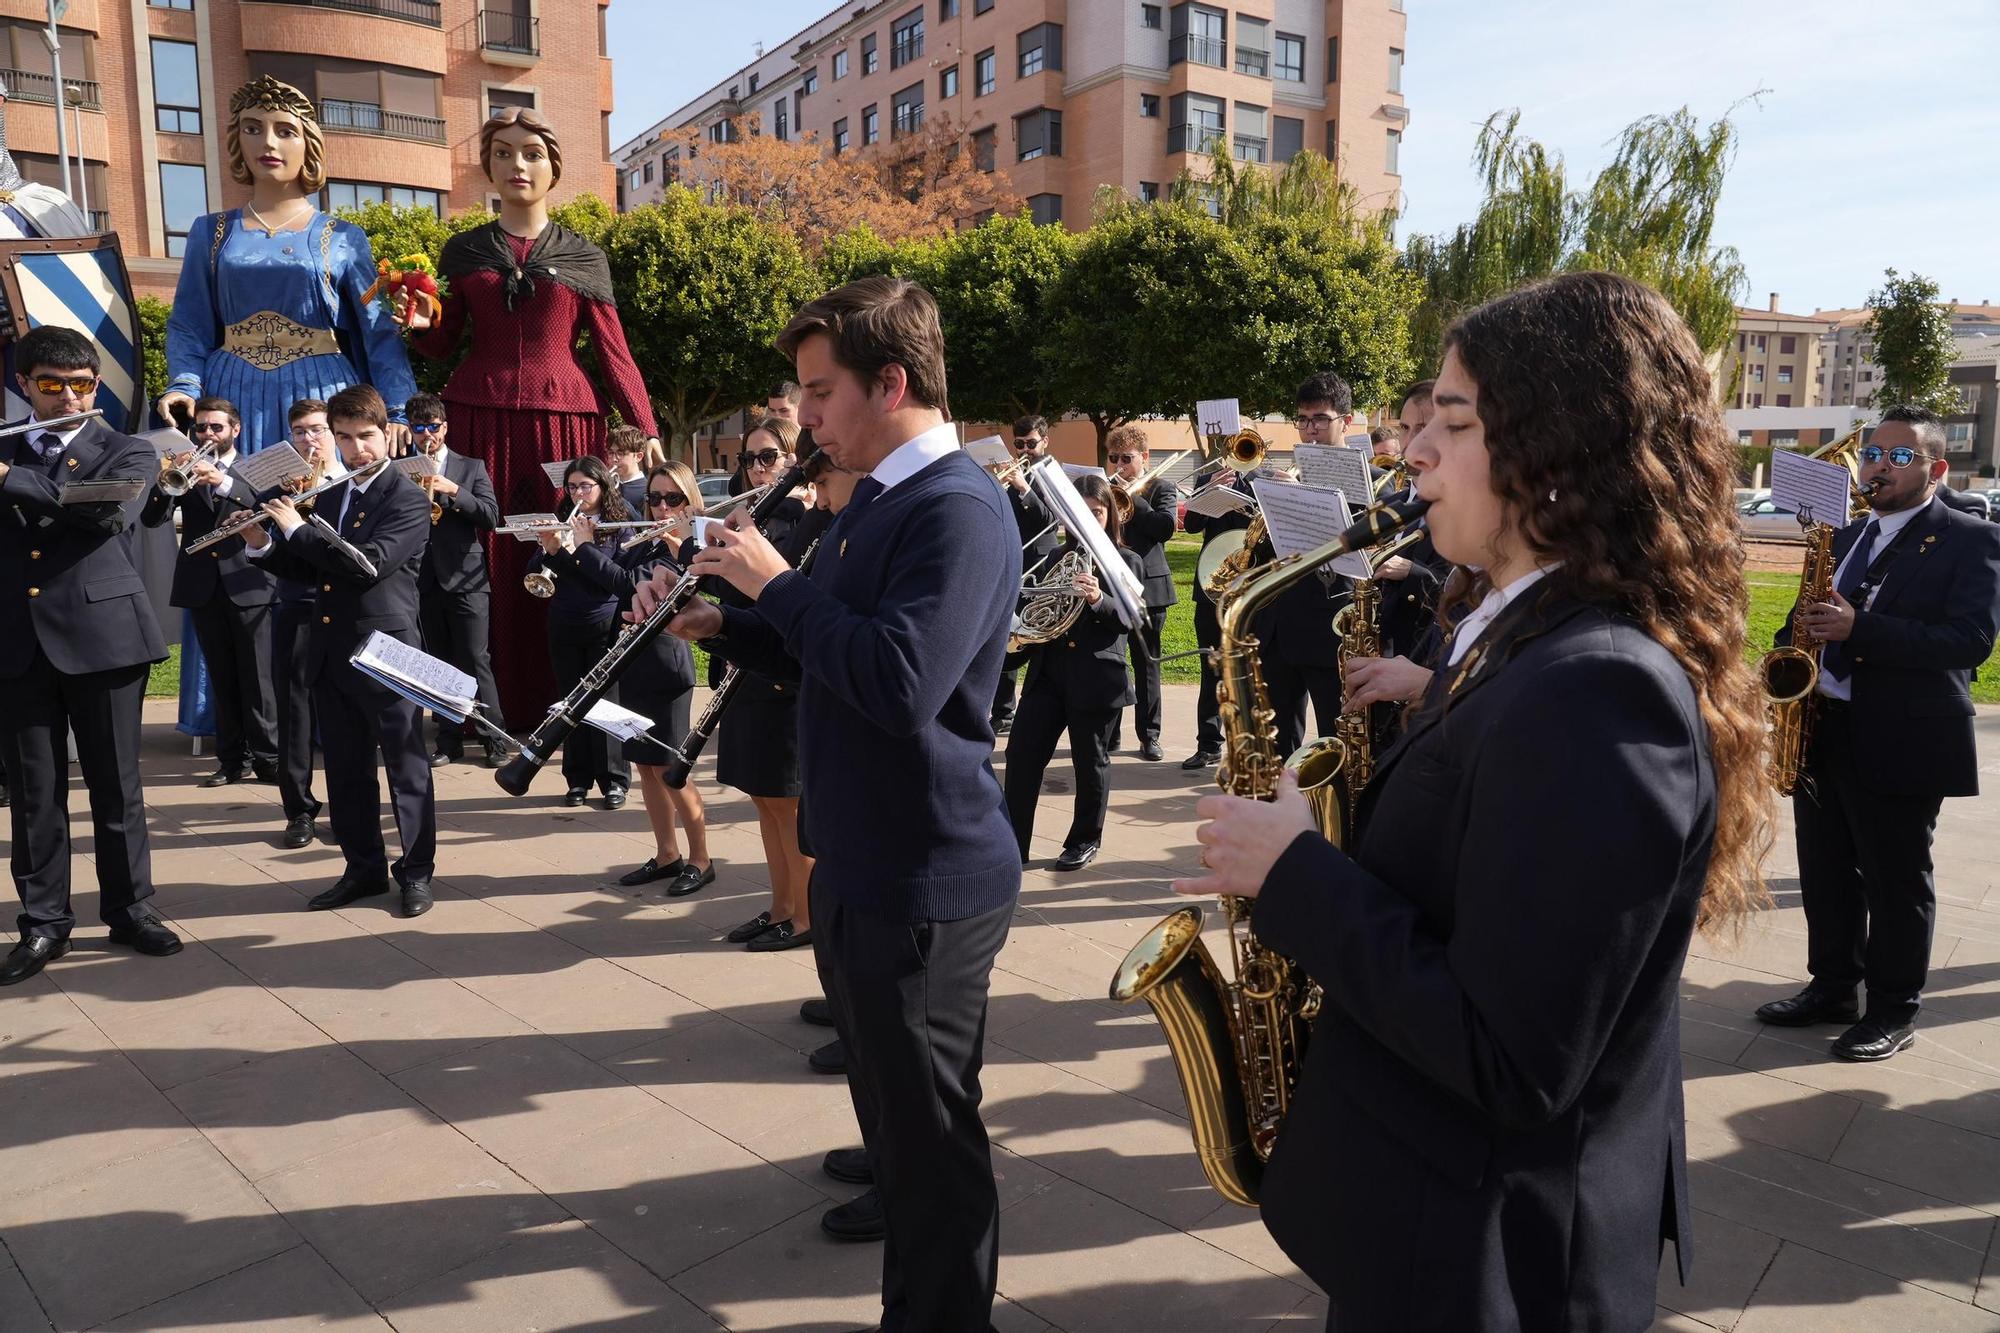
x=1065 y=96
x=402 y=87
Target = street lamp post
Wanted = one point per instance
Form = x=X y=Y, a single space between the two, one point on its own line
x=58 y=8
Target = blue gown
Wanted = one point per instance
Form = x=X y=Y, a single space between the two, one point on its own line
x=314 y=278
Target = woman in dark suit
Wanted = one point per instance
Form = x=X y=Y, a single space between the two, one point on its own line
x=1077 y=682
x=1487 y=1134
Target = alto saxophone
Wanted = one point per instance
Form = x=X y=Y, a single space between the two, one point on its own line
x=1239 y=1045
x=1791 y=671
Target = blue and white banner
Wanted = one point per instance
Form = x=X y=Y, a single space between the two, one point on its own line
x=79 y=283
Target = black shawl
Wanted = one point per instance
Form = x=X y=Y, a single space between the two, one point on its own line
x=558 y=254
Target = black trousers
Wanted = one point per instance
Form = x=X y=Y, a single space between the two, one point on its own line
x=1864 y=875
x=236 y=644
x=1040 y=721
x=290 y=624
x=1207 y=636
x=1290 y=684
x=358 y=720
x=1008 y=686
x=1146 y=674
x=457 y=626
x=38 y=710
x=909 y=1003
x=589 y=756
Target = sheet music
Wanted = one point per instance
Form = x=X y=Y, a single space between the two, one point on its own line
x=1300 y=518
x=1075 y=470
x=416 y=466
x=618 y=722
x=439 y=684
x=168 y=442
x=1215 y=501
x=699 y=526
x=269 y=469
x=1811 y=486
x=990 y=451
x=110 y=490
x=516 y=520
x=1218 y=416
x=554 y=471
x=1361 y=440
x=1338 y=467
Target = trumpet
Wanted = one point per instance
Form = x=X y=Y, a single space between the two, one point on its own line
x=429 y=483
x=245 y=519
x=177 y=479
x=1123 y=492
x=1006 y=471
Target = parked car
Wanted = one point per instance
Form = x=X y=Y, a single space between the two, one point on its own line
x=1749 y=495
x=1992 y=503
x=1766 y=520
x=714 y=487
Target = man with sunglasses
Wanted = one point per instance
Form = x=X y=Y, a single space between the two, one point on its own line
x=454 y=590
x=1146 y=534
x=1913 y=614
x=1042 y=541
x=228 y=596
x=81 y=639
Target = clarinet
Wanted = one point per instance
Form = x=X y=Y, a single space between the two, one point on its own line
x=676 y=772
x=567 y=713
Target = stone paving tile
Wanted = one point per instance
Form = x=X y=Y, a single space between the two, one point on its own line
x=1767 y=1109
x=82 y=1107
x=1924 y=1155
x=1806 y=1292
x=1730 y=1259
x=293 y=1292
x=731 y=1078
x=517 y=1097
x=792 y=1278
x=20 y=1312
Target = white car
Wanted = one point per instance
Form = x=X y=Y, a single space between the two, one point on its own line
x=1766 y=520
x=714 y=487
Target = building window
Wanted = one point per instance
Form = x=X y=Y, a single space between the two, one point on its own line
x=1392 y=157
x=356 y=194
x=1787 y=345
x=176 y=88
x=670 y=166
x=839 y=136
x=632 y=179
x=1757 y=400
x=1756 y=374
x=906 y=39
x=1958 y=433
x=1149 y=192
x=1333 y=141
x=1333 y=60
x=646 y=174
x=1253 y=47
x=947 y=9
x=983 y=75
x=1784 y=374
x=983 y=148
x=948 y=82
x=499 y=97
x=981 y=6
x=1291 y=53
x=1196 y=125
x=1762 y=343
x=1040 y=48
x=869 y=62
x=720 y=132
x=840 y=64
x=1036 y=133
x=811 y=84
x=1046 y=209
x=781 y=121
x=1253 y=142
x=1149 y=106
x=907 y=112
x=1784 y=400
x=185 y=5
x=1198 y=37
x=1395 y=70
x=871 y=125
x=1288 y=138
x=1149 y=17
x=755 y=79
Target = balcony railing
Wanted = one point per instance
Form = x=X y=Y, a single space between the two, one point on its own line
x=430 y=13
x=1193 y=138
x=905 y=50
x=25 y=85
x=517 y=34
x=1198 y=51
x=367 y=118
x=1251 y=61
x=100 y=220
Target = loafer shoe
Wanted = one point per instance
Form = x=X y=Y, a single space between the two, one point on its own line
x=614 y=799
x=750 y=929
x=349 y=889
x=299 y=832
x=1808 y=1007
x=849 y=1166
x=416 y=896
x=651 y=871
x=828 y=1059
x=575 y=796
x=439 y=758
x=224 y=777
x=30 y=956
x=1870 y=1040
x=691 y=879
x=779 y=936
x=1151 y=752
x=1200 y=759
x=816 y=1011
x=1076 y=858
x=148 y=937
x=856 y=1220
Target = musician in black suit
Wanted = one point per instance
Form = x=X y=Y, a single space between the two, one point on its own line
x=1146 y=533
x=454 y=591
x=1914 y=611
x=229 y=597
x=627 y=446
x=1492 y=1089
x=291 y=632
x=1207 y=630
x=1040 y=541
x=81 y=638
x=382 y=516
x=1963 y=503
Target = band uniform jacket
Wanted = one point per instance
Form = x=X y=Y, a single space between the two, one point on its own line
x=1146 y=536
x=1914 y=650
x=68 y=571
x=389 y=524
x=224 y=567
x=454 y=559
x=1033 y=518
x=1488 y=1133
x=667 y=664
x=1409 y=604
x=1086 y=665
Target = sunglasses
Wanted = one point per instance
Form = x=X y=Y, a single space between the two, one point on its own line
x=671 y=499
x=1123 y=458
x=764 y=457
x=1900 y=456
x=54 y=384
x=211 y=427
x=426 y=427
x=1027 y=444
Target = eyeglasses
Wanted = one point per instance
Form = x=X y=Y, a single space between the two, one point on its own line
x=578 y=487
x=310 y=432
x=1320 y=419
x=1031 y=442
x=54 y=384
x=211 y=427
x=670 y=499
x=1900 y=456
x=763 y=457
x=1123 y=458
x=426 y=427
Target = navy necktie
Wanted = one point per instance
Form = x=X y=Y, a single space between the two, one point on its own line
x=1834 y=660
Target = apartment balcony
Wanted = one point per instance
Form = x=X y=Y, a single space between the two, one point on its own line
x=25 y=85
x=508 y=38
x=367 y=118
x=430 y=13
x=1195 y=138
x=1198 y=51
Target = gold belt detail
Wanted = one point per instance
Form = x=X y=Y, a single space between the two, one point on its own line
x=268 y=340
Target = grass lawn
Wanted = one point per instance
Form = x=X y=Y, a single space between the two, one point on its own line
x=166 y=677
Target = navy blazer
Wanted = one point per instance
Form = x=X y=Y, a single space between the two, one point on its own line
x=67 y=572
x=1087 y=665
x=1032 y=519
x=667 y=664
x=1915 y=650
x=224 y=567
x=455 y=558
x=1488 y=1133
x=1146 y=535
x=1409 y=604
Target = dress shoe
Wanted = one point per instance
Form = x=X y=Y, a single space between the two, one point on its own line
x=1872 y=1040
x=614 y=799
x=266 y=773
x=1808 y=1007
x=750 y=929
x=849 y=1166
x=224 y=777
x=416 y=895
x=857 y=1220
x=1151 y=752
x=816 y=1011
x=348 y=889
x=6 y=796
x=1200 y=759
x=1116 y=744
x=149 y=937
x=651 y=871
x=1076 y=858
x=1002 y=725
x=299 y=832
x=576 y=796
x=692 y=879
x=828 y=1059
x=495 y=758
x=779 y=936
x=439 y=758
x=30 y=956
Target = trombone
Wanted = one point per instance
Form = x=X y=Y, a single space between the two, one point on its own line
x=1123 y=492
x=1243 y=452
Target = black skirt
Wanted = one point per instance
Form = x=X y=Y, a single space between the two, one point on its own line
x=671 y=714
x=757 y=748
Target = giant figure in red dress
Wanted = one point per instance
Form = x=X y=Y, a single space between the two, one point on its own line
x=529 y=288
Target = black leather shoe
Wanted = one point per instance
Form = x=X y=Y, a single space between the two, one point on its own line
x=1076 y=858
x=439 y=758
x=1117 y=744
x=750 y=929
x=828 y=1059
x=1151 y=752
x=224 y=777
x=495 y=757
x=1200 y=759
x=416 y=896
x=299 y=832
x=779 y=936
x=575 y=796
x=651 y=871
x=614 y=799
x=266 y=773
x=857 y=1220
x=30 y=956
x=692 y=879
x=1870 y=1040
x=347 y=890
x=148 y=937
x=849 y=1166
x=1002 y=725
x=1808 y=1007
x=816 y=1011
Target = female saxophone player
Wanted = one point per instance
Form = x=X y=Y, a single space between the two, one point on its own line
x=1487 y=1134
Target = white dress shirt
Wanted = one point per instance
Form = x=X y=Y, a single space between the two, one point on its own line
x=1488 y=611
x=912 y=457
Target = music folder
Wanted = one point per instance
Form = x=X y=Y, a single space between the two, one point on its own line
x=111 y=490
x=357 y=560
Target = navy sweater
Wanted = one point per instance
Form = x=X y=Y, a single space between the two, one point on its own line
x=896 y=639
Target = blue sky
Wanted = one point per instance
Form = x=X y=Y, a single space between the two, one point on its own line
x=1875 y=142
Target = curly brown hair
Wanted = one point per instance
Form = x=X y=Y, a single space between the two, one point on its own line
x=269 y=94
x=1596 y=401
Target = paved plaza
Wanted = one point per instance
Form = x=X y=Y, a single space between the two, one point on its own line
x=552 y=1104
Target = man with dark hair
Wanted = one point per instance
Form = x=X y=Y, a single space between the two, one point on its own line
x=627 y=446
x=897 y=636
x=80 y=640
x=1416 y=411
x=384 y=517
x=1041 y=541
x=783 y=403
x=453 y=586
x=1146 y=533
x=227 y=595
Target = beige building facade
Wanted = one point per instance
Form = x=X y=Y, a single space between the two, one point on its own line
x=1774 y=360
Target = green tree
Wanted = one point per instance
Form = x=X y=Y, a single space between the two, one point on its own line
x=153 y=314
x=1243 y=192
x=586 y=215
x=992 y=284
x=860 y=253
x=1913 y=343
